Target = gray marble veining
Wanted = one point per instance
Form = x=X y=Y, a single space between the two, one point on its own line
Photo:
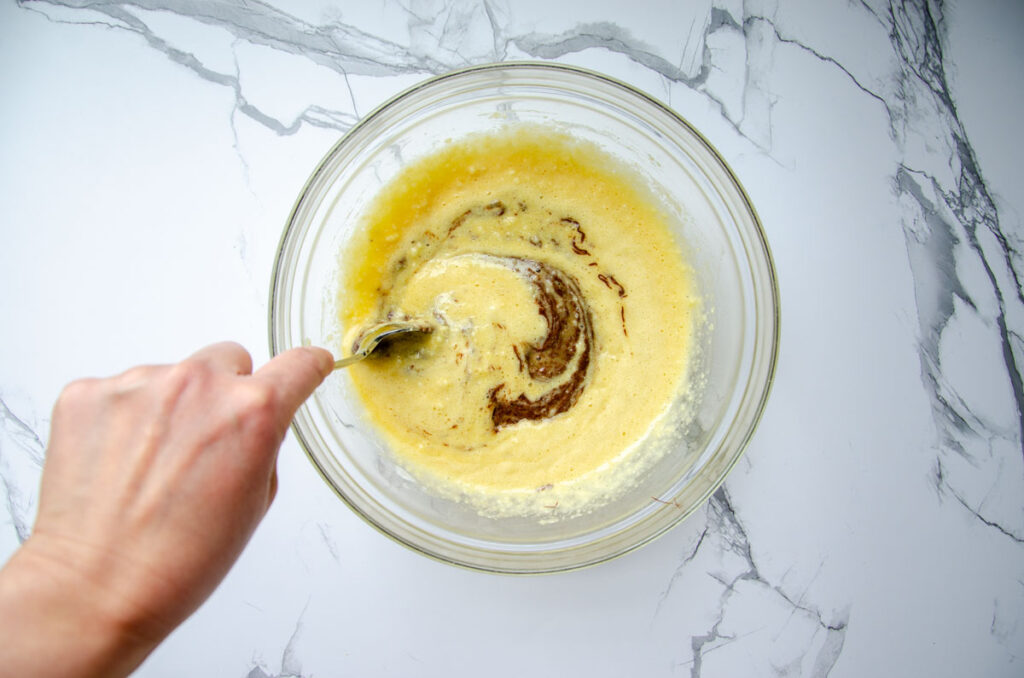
x=966 y=272
x=21 y=463
x=731 y=564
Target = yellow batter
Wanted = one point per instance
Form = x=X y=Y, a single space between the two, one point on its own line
x=564 y=316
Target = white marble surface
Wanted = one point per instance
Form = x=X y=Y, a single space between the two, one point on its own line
x=150 y=151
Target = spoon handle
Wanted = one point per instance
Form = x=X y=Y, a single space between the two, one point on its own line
x=345 y=362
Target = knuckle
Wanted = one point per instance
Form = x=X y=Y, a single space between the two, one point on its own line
x=180 y=376
x=259 y=408
x=134 y=377
x=237 y=349
x=259 y=400
x=77 y=391
x=237 y=354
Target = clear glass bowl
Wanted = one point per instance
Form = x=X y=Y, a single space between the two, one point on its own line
x=721 y=235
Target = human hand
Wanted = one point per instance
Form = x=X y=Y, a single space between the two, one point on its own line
x=153 y=483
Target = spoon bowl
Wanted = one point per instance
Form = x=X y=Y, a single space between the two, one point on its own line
x=371 y=338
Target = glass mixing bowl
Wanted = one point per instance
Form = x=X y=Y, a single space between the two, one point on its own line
x=720 y=233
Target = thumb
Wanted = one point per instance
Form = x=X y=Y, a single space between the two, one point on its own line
x=295 y=374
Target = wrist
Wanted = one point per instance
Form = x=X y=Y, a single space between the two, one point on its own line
x=59 y=619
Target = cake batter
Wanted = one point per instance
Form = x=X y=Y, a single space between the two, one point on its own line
x=563 y=309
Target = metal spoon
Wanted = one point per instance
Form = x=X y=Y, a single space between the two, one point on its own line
x=371 y=338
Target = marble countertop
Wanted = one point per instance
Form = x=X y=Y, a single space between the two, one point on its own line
x=152 y=150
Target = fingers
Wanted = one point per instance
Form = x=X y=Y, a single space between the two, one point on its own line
x=227 y=355
x=295 y=374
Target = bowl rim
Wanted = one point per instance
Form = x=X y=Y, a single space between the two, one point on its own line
x=771 y=355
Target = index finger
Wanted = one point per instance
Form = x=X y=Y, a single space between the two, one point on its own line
x=295 y=374
x=226 y=354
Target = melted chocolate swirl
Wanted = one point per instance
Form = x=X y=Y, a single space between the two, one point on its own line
x=570 y=335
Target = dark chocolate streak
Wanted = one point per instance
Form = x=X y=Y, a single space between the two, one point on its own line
x=575 y=243
x=494 y=209
x=561 y=304
x=570 y=329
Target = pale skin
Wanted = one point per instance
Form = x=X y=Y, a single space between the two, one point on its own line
x=154 y=482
